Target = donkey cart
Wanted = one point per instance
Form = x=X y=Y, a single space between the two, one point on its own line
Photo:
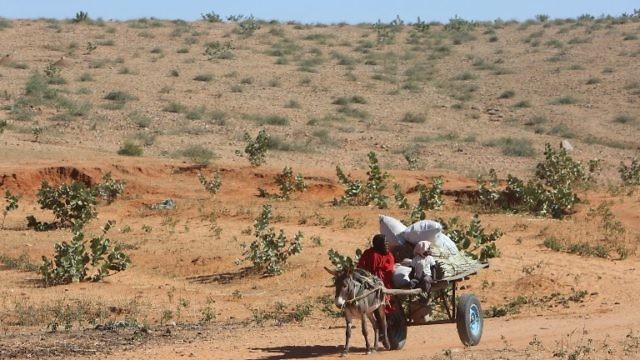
x=465 y=311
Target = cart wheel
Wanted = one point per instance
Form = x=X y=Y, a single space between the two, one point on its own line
x=397 y=329
x=469 y=319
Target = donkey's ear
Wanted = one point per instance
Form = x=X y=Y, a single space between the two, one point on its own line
x=332 y=272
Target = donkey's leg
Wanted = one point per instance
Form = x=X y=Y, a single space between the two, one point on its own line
x=365 y=332
x=383 y=325
x=374 y=323
x=349 y=321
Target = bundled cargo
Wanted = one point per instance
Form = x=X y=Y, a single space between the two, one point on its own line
x=423 y=230
x=397 y=233
x=455 y=265
x=392 y=229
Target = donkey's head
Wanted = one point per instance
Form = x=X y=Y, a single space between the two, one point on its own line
x=345 y=286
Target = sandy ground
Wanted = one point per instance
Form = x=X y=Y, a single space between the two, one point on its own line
x=184 y=261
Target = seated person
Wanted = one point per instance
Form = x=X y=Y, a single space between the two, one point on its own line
x=422 y=262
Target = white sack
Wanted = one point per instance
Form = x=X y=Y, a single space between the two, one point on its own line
x=391 y=228
x=444 y=241
x=401 y=276
x=423 y=230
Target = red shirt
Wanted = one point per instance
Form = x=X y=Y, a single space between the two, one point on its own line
x=380 y=265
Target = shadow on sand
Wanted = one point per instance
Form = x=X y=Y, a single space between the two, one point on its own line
x=298 y=352
x=221 y=278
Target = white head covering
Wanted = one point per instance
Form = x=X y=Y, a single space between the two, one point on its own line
x=421 y=247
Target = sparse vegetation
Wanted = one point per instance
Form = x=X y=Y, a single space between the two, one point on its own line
x=130 y=148
x=11 y=201
x=74 y=263
x=472 y=238
x=630 y=175
x=551 y=193
x=256 y=149
x=430 y=198
x=212 y=186
x=269 y=252
x=110 y=189
x=372 y=192
x=521 y=147
x=197 y=153
x=287 y=184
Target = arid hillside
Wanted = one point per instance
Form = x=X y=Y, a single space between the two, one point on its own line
x=165 y=106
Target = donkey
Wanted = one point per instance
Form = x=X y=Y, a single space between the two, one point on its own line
x=360 y=294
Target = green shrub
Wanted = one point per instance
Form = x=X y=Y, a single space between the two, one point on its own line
x=81 y=16
x=269 y=251
x=553 y=244
x=593 y=80
x=630 y=175
x=272 y=120
x=292 y=104
x=559 y=170
x=358 y=194
x=73 y=205
x=287 y=184
x=175 y=107
x=564 y=100
x=429 y=199
x=256 y=149
x=343 y=262
x=11 y=201
x=72 y=261
x=522 y=104
x=211 y=186
x=109 y=189
x=414 y=118
x=218 y=50
x=624 y=119
x=129 y=148
x=140 y=120
x=507 y=94
x=37 y=90
x=398 y=195
x=246 y=26
x=197 y=154
x=120 y=96
x=551 y=193
x=3 y=125
x=203 y=77
x=513 y=147
x=472 y=239
x=211 y=17
x=464 y=76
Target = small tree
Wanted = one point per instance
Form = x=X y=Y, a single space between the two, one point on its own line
x=256 y=148
x=211 y=186
x=430 y=199
x=211 y=17
x=109 y=189
x=81 y=16
x=73 y=263
x=72 y=205
x=269 y=251
x=12 y=204
x=344 y=262
x=472 y=239
x=359 y=194
x=630 y=175
x=401 y=200
x=287 y=184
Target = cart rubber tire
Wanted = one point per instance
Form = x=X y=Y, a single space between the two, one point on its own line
x=397 y=329
x=469 y=319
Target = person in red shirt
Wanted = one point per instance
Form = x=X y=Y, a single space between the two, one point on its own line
x=378 y=260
